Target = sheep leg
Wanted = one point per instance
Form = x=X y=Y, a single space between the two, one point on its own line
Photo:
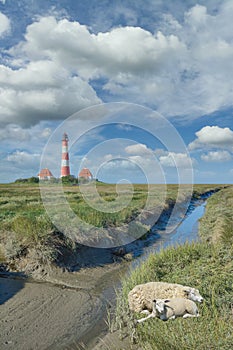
x=146 y=312
x=189 y=315
x=146 y=318
x=172 y=317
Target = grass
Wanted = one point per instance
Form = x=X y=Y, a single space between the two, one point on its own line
x=25 y=200
x=25 y=226
x=206 y=265
x=217 y=222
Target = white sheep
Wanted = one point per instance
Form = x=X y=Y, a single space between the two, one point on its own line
x=169 y=309
x=141 y=296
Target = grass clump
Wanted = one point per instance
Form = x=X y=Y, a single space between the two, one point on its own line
x=33 y=238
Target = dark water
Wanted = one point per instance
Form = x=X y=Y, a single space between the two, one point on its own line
x=187 y=231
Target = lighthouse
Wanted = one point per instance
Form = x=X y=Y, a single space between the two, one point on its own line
x=65 y=167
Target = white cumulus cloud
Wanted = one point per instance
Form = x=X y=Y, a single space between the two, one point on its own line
x=216 y=156
x=42 y=90
x=123 y=50
x=212 y=136
x=58 y=58
x=180 y=160
x=4 y=24
x=116 y=164
x=185 y=69
x=138 y=149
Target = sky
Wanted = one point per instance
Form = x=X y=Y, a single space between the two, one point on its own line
x=121 y=68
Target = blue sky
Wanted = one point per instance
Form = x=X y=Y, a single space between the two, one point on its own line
x=174 y=57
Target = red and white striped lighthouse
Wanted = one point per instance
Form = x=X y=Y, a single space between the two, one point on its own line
x=65 y=168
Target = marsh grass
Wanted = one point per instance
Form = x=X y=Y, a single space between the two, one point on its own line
x=25 y=200
x=31 y=237
x=206 y=265
x=25 y=226
x=217 y=223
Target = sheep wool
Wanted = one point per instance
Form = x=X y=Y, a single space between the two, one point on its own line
x=141 y=296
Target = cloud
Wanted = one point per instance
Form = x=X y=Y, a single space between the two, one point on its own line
x=178 y=61
x=19 y=164
x=14 y=132
x=196 y=16
x=216 y=156
x=196 y=79
x=46 y=133
x=23 y=159
x=138 y=149
x=21 y=150
x=184 y=70
x=52 y=69
x=116 y=164
x=42 y=90
x=4 y=24
x=130 y=50
x=212 y=136
x=178 y=160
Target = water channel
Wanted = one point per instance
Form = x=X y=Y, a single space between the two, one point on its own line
x=187 y=231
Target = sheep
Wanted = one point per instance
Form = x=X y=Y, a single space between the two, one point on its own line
x=175 y=307
x=141 y=296
x=169 y=309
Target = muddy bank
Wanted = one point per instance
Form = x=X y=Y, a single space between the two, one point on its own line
x=42 y=315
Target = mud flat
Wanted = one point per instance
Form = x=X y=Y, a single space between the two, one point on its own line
x=39 y=315
x=42 y=315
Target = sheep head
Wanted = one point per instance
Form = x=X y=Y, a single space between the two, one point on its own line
x=160 y=305
x=193 y=294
